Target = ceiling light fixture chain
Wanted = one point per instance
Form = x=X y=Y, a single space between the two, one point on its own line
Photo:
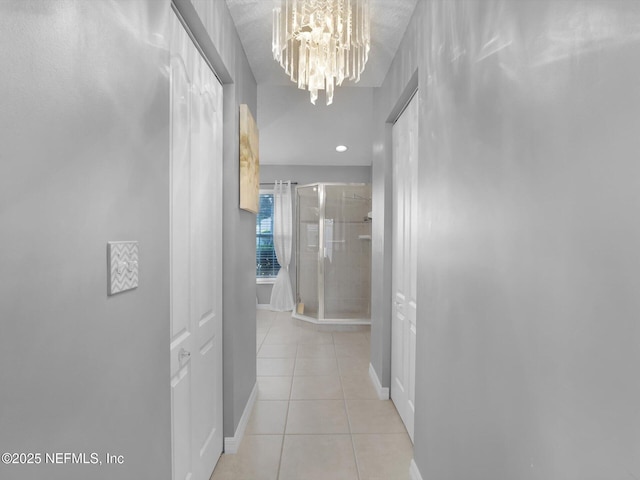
x=319 y=43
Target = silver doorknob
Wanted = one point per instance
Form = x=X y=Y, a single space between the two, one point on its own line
x=184 y=354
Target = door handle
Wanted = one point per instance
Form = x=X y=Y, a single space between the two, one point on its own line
x=184 y=354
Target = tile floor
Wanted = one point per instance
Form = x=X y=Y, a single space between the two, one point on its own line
x=316 y=415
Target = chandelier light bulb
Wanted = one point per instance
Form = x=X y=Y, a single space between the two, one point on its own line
x=319 y=43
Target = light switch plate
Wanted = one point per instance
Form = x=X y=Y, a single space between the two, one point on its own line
x=122 y=262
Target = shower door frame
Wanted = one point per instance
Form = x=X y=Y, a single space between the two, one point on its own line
x=321 y=193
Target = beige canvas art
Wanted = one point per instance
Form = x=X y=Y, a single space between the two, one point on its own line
x=249 y=161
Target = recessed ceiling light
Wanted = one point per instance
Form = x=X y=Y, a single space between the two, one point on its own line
x=341 y=148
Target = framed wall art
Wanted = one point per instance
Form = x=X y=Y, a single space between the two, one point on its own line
x=249 y=161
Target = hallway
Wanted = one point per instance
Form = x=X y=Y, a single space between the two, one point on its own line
x=129 y=264
x=317 y=415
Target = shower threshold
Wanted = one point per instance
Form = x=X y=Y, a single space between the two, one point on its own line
x=332 y=321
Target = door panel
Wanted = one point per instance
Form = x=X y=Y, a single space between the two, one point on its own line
x=181 y=422
x=206 y=210
x=181 y=335
x=404 y=263
x=180 y=160
x=196 y=273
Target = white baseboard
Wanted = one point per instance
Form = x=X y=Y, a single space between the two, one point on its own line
x=333 y=322
x=231 y=444
x=414 y=473
x=263 y=306
x=383 y=392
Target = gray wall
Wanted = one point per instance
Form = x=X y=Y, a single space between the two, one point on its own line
x=85 y=160
x=528 y=340
x=239 y=291
x=304 y=174
x=388 y=102
x=84 y=127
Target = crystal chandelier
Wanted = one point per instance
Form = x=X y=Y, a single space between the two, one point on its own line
x=319 y=43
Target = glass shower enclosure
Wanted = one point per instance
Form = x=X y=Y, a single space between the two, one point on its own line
x=333 y=253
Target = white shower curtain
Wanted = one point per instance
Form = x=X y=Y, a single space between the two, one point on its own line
x=281 y=294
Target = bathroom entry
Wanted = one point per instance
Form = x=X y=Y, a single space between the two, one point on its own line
x=333 y=253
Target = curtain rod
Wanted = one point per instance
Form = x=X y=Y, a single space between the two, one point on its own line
x=273 y=183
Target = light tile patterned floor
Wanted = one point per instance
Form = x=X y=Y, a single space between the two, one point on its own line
x=317 y=415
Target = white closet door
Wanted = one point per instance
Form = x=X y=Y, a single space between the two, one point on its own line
x=404 y=260
x=196 y=252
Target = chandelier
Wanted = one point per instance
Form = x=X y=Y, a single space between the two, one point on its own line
x=319 y=43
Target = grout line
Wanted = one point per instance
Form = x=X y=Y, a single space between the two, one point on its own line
x=346 y=411
x=286 y=417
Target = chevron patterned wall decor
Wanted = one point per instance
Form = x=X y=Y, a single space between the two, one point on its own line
x=122 y=265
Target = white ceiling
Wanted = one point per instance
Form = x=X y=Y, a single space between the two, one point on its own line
x=294 y=132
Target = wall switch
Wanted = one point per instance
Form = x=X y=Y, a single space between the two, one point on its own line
x=122 y=263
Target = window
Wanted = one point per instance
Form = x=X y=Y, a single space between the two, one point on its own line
x=267 y=265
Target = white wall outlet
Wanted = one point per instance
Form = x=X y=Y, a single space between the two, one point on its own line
x=122 y=262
